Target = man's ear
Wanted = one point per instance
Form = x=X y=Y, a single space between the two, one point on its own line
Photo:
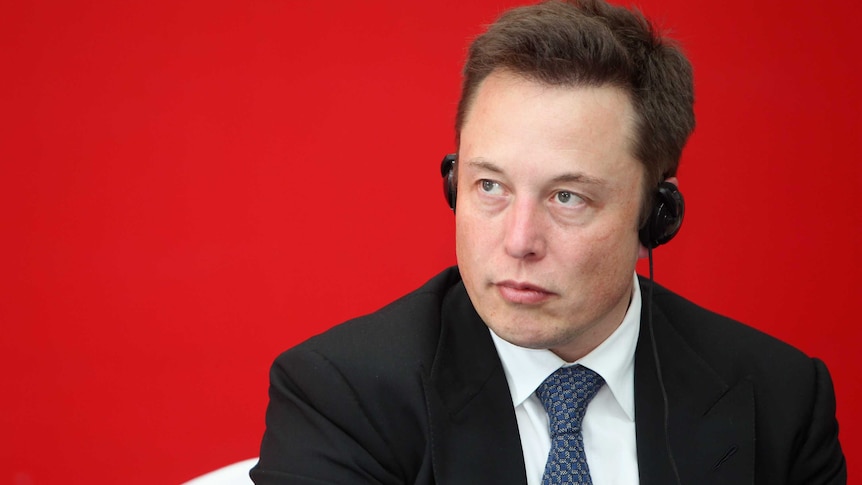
x=642 y=250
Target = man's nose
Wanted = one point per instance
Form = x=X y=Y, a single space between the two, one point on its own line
x=525 y=230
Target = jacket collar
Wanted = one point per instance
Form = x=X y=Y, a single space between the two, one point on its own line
x=710 y=424
x=474 y=434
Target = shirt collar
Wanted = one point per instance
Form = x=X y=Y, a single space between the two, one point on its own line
x=613 y=359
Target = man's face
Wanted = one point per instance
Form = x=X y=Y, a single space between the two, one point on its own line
x=547 y=213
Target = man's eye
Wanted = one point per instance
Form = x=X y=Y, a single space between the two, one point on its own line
x=568 y=198
x=491 y=187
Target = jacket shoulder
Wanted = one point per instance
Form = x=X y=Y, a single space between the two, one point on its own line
x=402 y=334
x=399 y=329
x=718 y=338
x=360 y=385
x=796 y=429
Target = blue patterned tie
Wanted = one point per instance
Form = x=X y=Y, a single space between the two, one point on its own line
x=565 y=395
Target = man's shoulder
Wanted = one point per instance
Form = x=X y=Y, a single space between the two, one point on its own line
x=405 y=330
x=721 y=340
x=793 y=397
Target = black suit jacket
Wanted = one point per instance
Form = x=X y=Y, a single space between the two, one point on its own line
x=415 y=393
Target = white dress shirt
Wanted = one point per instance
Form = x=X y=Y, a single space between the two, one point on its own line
x=609 y=422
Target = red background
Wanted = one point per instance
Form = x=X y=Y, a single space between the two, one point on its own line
x=189 y=188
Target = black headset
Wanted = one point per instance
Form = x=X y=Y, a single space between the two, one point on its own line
x=662 y=224
x=447 y=170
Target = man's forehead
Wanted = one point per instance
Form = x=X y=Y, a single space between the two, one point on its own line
x=510 y=95
x=501 y=81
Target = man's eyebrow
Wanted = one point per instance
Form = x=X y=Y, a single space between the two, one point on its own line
x=579 y=178
x=570 y=177
x=482 y=164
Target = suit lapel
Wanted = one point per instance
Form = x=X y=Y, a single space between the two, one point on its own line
x=710 y=422
x=474 y=434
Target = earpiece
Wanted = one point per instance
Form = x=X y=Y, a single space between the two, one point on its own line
x=664 y=221
x=447 y=170
x=665 y=216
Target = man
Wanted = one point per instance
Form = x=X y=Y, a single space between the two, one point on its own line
x=570 y=129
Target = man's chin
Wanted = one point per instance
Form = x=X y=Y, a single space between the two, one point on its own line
x=527 y=339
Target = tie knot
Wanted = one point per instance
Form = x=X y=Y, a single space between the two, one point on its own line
x=565 y=395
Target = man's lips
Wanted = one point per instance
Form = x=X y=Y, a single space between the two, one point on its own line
x=523 y=293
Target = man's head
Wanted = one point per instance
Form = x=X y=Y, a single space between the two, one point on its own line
x=592 y=43
x=563 y=107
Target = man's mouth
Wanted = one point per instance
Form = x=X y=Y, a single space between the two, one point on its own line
x=523 y=293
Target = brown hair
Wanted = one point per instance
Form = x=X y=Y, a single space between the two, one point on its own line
x=592 y=43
